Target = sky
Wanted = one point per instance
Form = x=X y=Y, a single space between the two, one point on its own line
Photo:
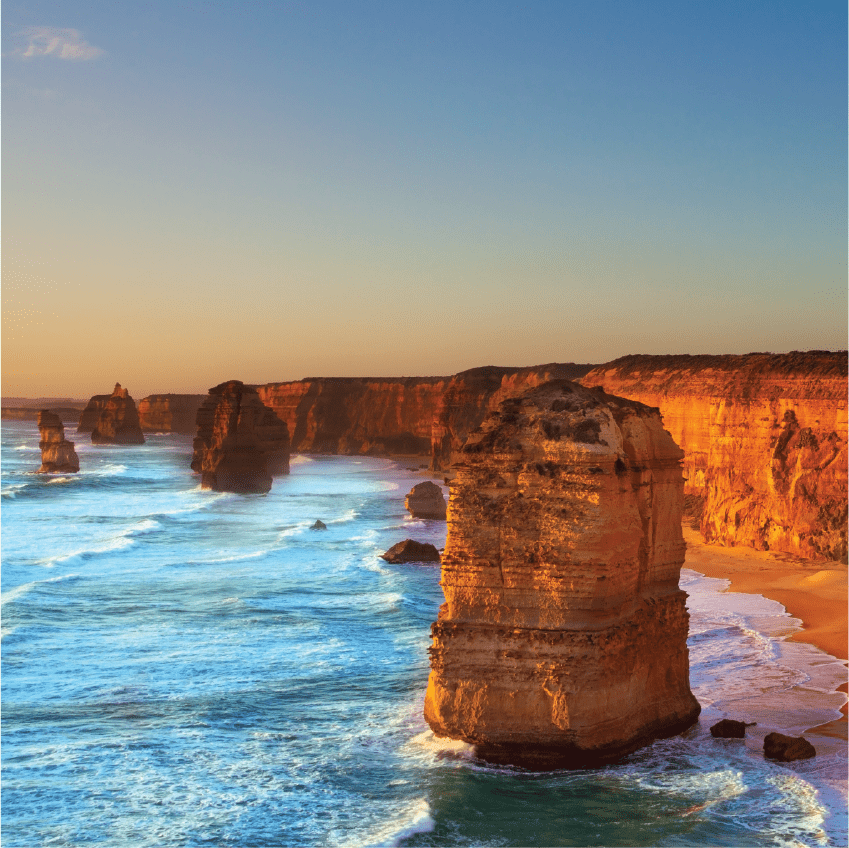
x=266 y=191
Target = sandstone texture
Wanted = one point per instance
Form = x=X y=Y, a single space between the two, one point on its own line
x=118 y=422
x=764 y=439
x=170 y=413
x=399 y=416
x=240 y=443
x=777 y=746
x=57 y=453
x=411 y=551
x=425 y=500
x=563 y=638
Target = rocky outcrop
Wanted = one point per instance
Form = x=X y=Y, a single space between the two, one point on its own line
x=764 y=438
x=563 y=638
x=118 y=422
x=785 y=749
x=57 y=453
x=728 y=728
x=399 y=416
x=425 y=500
x=90 y=415
x=411 y=551
x=170 y=413
x=240 y=443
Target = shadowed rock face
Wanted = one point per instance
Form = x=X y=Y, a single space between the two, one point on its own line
x=170 y=413
x=57 y=454
x=90 y=415
x=425 y=500
x=240 y=443
x=118 y=422
x=764 y=437
x=563 y=639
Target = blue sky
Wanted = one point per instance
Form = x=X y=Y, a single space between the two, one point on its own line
x=266 y=191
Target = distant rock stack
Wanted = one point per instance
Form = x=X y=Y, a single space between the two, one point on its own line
x=425 y=500
x=563 y=639
x=57 y=453
x=170 y=413
x=118 y=422
x=240 y=443
x=91 y=414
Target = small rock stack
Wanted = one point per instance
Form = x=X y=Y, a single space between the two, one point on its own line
x=57 y=453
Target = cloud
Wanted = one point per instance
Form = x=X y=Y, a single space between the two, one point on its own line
x=59 y=43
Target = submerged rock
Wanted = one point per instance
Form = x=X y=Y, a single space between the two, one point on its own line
x=563 y=639
x=240 y=442
x=411 y=551
x=57 y=453
x=118 y=422
x=777 y=746
x=319 y=525
x=425 y=500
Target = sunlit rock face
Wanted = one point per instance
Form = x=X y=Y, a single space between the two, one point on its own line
x=764 y=437
x=170 y=413
x=118 y=422
x=57 y=453
x=240 y=443
x=563 y=638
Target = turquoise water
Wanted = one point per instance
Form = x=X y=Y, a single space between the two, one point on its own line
x=185 y=668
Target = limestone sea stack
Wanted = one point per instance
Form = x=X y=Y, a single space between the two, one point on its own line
x=425 y=500
x=90 y=415
x=118 y=422
x=57 y=453
x=563 y=639
x=240 y=443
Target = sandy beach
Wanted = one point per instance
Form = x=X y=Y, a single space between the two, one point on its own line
x=814 y=592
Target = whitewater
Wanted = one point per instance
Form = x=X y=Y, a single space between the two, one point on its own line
x=188 y=668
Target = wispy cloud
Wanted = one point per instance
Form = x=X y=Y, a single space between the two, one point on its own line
x=58 y=43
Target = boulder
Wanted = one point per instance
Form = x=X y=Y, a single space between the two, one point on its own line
x=319 y=525
x=562 y=641
x=57 y=453
x=777 y=746
x=240 y=442
x=411 y=551
x=118 y=421
x=729 y=729
x=425 y=500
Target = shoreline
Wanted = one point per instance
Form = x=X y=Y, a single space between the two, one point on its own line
x=815 y=593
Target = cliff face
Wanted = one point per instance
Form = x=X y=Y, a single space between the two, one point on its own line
x=170 y=413
x=562 y=641
x=407 y=415
x=764 y=438
x=118 y=422
x=240 y=443
x=89 y=416
x=57 y=453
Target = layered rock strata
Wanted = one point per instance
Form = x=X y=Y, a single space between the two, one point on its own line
x=240 y=443
x=764 y=438
x=170 y=413
x=57 y=453
x=425 y=500
x=118 y=422
x=563 y=638
x=399 y=416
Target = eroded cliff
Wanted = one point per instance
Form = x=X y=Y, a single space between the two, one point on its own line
x=764 y=438
x=170 y=413
x=240 y=442
x=562 y=641
x=89 y=416
x=57 y=453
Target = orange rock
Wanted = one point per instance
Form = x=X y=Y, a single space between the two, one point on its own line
x=57 y=453
x=764 y=438
x=118 y=422
x=563 y=639
x=425 y=500
x=170 y=413
x=240 y=443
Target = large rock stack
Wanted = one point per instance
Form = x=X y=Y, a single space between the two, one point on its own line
x=118 y=422
x=563 y=639
x=240 y=443
x=57 y=453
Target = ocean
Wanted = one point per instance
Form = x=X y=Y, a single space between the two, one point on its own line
x=188 y=668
